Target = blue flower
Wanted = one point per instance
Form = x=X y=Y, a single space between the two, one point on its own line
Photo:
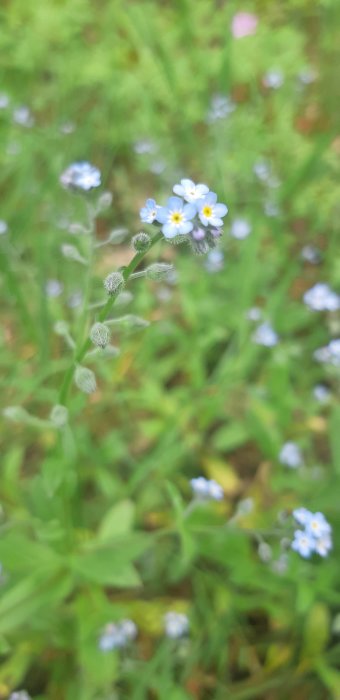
x=290 y=455
x=317 y=525
x=323 y=545
x=210 y=211
x=302 y=515
x=117 y=636
x=265 y=335
x=191 y=192
x=176 y=217
x=148 y=213
x=176 y=625
x=207 y=488
x=81 y=176
x=303 y=543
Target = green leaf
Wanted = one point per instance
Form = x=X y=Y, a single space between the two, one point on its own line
x=117 y=521
x=103 y=568
x=18 y=553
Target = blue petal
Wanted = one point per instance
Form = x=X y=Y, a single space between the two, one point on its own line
x=189 y=211
x=169 y=230
x=162 y=215
x=203 y=219
x=186 y=227
x=220 y=210
x=175 y=203
x=178 y=189
x=210 y=198
x=215 y=221
x=150 y=204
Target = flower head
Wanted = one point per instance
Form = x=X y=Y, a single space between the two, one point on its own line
x=81 y=176
x=302 y=515
x=290 y=455
x=240 y=229
x=321 y=298
x=207 y=489
x=265 y=335
x=210 y=211
x=176 y=625
x=303 y=544
x=317 y=525
x=148 y=213
x=243 y=24
x=117 y=635
x=176 y=217
x=329 y=354
x=191 y=192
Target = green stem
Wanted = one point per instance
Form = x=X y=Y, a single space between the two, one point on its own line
x=80 y=354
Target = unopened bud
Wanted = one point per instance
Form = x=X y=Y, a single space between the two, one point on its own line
x=114 y=283
x=141 y=242
x=117 y=235
x=61 y=328
x=158 y=271
x=85 y=379
x=16 y=413
x=59 y=416
x=72 y=253
x=104 y=201
x=100 y=335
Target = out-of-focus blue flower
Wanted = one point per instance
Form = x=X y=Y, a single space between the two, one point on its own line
x=53 y=288
x=210 y=211
x=265 y=335
x=20 y=695
x=303 y=544
x=148 y=213
x=4 y=100
x=207 y=488
x=311 y=254
x=23 y=116
x=3 y=227
x=273 y=79
x=321 y=298
x=254 y=313
x=176 y=217
x=214 y=261
x=117 y=635
x=329 y=354
x=81 y=176
x=240 y=229
x=316 y=536
x=176 y=625
x=220 y=108
x=290 y=455
x=317 y=525
x=321 y=393
x=189 y=191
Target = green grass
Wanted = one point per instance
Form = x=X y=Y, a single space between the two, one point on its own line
x=95 y=525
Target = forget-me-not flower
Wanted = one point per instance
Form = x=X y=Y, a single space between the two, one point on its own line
x=303 y=544
x=117 y=635
x=265 y=335
x=207 y=488
x=210 y=211
x=329 y=354
x=148 y=213
x=176 y=625
x=176 y=217
x=81 y=176
x=321 y=298
x=189 y=191
x=290 y=455
x=240 y=229
x=317 y=525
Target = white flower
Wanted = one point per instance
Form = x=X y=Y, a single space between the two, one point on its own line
x=189 y=191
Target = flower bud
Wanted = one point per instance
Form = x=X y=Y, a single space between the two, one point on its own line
x=158 y=271
x=61 y=328
x=104 y=201
x=59 y=416
x=16 y=413
x=85 y=379
x=141 y=242
x=100 y=335
x=72 y=253
x=114 y=283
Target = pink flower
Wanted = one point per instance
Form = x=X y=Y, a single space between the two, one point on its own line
x=243 y=24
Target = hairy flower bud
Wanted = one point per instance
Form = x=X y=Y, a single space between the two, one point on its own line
x=16 y=413
x=114 y=283
x=72 y=253
x=100 y=335
x=158 y=271
x=141 y=242
x=104 y=201
x=59 y=416
x=85 y=379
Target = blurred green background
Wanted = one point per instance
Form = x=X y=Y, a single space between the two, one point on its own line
x=95 y=524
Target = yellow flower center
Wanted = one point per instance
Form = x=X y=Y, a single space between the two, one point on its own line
x=176 y=217
x=207 y=211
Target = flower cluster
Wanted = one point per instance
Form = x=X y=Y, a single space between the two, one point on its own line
x=193 y=212
x=207 y=489
x=329 y=354
x=117 y=635
x=176 y=625
x=314 y=535
x=321 y=298
x=81 y=177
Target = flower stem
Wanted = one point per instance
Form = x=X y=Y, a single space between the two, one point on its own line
x=81 y=352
